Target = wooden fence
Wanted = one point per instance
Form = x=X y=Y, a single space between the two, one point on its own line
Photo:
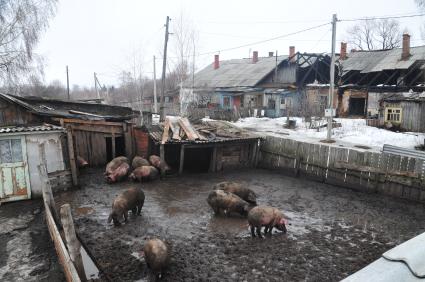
x=384 y=173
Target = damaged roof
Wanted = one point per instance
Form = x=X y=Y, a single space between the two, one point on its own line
x=236 y=72
x=71 y=109
x=407 y=96
x=35 y=128
x=380 y=60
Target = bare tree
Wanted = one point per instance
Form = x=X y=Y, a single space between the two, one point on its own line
x=421 y=6
x=371 y=34
x=21 y=24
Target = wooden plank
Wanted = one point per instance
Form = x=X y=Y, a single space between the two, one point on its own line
x=354 y=167
x=98 y=128
x=128 y=140
x=113 y=145
x=91 y=122
x=175 y=128
x=166 y=131
x=181 y=164
x=72 y=242
x=72 y=156
x=189 y=130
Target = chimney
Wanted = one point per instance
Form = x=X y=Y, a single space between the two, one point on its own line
x=254 y=57
x=271 y=54
x=343 y=52
x=216 y=62
x=292 y=53
x=405 y=53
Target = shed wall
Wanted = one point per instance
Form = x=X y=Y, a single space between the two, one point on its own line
x=12 y=114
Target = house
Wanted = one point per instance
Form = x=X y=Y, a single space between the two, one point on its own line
x=405 y=111
x=95 y=132
x=273 y=85
x=368 y=76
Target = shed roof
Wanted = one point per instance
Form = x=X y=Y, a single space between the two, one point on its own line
x=35 y=128
x=71 y=109
x=406 y=96
x=380 y=60
x=236 y=72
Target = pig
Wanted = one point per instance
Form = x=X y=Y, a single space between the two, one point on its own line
x=139 y=161
x=221 y=201
x=156 y=256
x=81 y=163
x=269 y=217
x=236 y=188
x=117 y=169
x=131 y=199
x=145 y=173
x=162 y=166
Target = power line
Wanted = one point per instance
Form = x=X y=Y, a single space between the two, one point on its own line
x=381 y=18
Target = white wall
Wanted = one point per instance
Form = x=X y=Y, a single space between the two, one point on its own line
x=43 y=146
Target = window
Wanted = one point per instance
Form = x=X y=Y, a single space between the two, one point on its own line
x=282 y=100
x=393 y=115
x=10 y=151
x=226 y=102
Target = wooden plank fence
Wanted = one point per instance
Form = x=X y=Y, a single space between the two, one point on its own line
x=384 y=173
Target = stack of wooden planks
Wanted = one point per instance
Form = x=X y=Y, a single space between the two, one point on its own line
x=179 y=128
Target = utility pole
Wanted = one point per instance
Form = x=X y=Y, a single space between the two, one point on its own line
x=164 y=68
x=155 y=101
x=95 y=86
x=331 y=81
x=67 y=82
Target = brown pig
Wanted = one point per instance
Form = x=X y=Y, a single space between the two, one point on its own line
x=117 y=169
x=162 y=166
x=221 y=201
x=237 y=189
x=81 y=163
x=131 y=199
x=269 y=217
x=146 y=173
x=156 y=256
x=138 y=162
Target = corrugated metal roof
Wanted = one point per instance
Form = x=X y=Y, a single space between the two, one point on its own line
x=236 y=72
x=17 y=129
x=375 y=61
x=404 y=262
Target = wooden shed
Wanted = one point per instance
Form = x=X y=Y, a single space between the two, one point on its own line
x=206 y=147
x=95 y=132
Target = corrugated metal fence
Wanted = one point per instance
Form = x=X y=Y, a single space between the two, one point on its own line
x=387 y=173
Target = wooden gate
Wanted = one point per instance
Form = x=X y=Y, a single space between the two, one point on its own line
x=14 y=177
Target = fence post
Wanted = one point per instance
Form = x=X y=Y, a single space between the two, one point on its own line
x=47 y=189
x=72 y=242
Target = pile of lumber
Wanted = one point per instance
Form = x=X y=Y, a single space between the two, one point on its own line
x=179 y=128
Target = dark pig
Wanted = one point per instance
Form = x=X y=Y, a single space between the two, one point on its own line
x=117 y=169
x=162 y=166
x=227 y=203
x=156 y=256
x=269 y=217
x=237 y=189
x=81 y=163
x=146 y=173
x=131 y=199
x=139 y=161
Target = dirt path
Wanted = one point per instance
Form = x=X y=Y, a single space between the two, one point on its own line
x=26 y=251
x=334 y=231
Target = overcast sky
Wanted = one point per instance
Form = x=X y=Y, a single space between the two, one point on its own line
x=106 y=36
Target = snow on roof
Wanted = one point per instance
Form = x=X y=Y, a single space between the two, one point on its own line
x=35 y=128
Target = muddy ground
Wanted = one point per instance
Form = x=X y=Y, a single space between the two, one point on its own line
x=334 y=231
x=26 y=251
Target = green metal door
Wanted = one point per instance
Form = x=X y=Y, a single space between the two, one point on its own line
x=14 y=179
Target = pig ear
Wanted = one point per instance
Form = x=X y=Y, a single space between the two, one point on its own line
x=282 y=221
x=110 y=218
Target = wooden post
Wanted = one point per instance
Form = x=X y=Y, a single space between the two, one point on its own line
x=72 y=242
x=113 y=145
x=213 y=166
x=162 y=152
x=72 y=156
x=47 y=189
x=181 y=165
x=128 y=140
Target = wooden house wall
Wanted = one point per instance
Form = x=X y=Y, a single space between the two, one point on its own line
x=91 y=146
x=412 y=114
x=12 y=114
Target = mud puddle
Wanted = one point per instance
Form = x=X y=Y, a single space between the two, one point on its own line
x=333 y=232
